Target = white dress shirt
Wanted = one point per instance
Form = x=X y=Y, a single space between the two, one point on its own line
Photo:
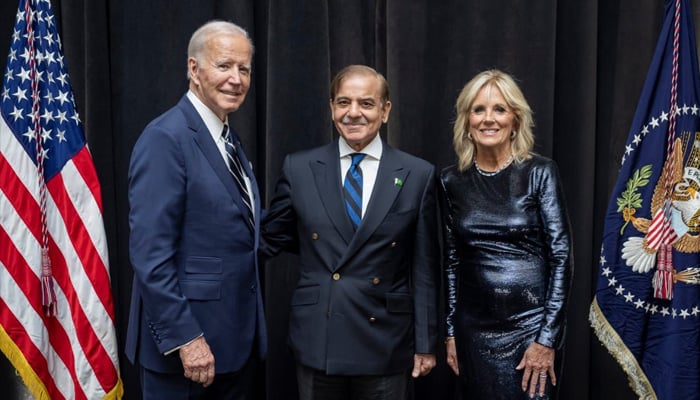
x=216 y=126
x=369 y=165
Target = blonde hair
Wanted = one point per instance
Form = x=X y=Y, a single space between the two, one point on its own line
x=522 y=138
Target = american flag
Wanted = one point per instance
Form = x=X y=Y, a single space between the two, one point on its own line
x=56 y=309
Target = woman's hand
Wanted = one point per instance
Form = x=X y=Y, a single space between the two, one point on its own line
x=452 y=354
x=538 y=364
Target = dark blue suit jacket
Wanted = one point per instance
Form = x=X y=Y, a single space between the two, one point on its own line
x=194 y=257
x=366 y=301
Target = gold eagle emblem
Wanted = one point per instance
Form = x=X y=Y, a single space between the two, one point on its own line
x=684 y=188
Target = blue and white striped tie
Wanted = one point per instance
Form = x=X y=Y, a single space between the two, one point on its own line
x=236 y=169
x=352 y=190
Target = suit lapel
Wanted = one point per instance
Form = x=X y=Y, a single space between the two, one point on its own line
x=387 y=186
x=211 y=152
x=386 y=189
x=326 y=173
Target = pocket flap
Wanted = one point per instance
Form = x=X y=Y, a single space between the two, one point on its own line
x=399 y=302
x=306 y=295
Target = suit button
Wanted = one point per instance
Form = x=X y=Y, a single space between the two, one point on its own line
x=252 y=288
x=376 y=281
x=393 y=244
x=314 y=236
x=336 y=276
x=372 y=319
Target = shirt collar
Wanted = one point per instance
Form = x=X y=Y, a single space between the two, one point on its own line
x=373 y=148
x=212 y=122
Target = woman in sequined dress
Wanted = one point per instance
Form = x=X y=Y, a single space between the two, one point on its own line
x=508 y=248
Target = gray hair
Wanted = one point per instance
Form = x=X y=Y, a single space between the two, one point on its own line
x=199 y=38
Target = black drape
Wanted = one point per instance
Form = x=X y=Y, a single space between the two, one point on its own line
x=581 y=65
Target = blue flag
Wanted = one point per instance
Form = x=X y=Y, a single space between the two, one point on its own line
x=646 y=310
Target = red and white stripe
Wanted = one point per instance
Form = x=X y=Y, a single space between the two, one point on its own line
x=660 y=230
x=74 y=355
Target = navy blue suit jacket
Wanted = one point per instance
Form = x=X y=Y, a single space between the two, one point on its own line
x=193 y=255
x=366 y=301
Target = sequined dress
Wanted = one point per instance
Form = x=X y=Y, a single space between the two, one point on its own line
x=509 y=267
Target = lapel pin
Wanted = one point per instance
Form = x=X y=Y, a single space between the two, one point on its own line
x=398 y=181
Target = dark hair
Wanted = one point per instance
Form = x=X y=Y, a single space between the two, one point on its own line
x=353 y=70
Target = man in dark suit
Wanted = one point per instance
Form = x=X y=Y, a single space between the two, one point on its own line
x=196 y=311
x=362 y=216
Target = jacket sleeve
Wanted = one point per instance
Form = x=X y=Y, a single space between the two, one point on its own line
x=279 y=226
x=560 y=257
x=425 y=268
x=157 y=201
x=451 y=259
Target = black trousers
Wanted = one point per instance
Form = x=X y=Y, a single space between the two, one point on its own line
x=317 y=385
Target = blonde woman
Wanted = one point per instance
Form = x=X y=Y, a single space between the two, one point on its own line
x=508 y=248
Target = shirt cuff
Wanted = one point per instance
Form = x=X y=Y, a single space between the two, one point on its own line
x=182 y=345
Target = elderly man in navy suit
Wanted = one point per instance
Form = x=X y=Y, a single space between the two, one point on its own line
x=196 y=326
x=362 y=216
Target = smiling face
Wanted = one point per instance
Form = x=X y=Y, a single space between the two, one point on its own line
x=358 y=111
x=220 y=75
x=491 y=121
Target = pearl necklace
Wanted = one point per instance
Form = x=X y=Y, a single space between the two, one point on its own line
x=492 y=173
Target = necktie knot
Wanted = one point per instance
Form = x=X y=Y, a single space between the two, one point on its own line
x=357 y=158
x=225 y=133
x=229 y=137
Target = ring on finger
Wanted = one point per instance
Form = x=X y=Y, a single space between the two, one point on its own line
x=543 y=374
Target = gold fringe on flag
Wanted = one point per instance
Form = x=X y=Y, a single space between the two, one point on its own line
x=616 y=347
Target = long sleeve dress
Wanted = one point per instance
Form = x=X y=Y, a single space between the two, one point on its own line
x=509 y=267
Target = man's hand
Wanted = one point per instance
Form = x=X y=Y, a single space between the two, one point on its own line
x=198 y=361
x=422 y=364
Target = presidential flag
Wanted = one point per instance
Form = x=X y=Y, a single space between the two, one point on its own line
x=646 y=309
x=56 y=309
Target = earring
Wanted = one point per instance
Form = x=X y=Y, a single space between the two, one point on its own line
x=469 y=136
x=513 y=134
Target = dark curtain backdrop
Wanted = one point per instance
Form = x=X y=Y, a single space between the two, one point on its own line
x=581 y=65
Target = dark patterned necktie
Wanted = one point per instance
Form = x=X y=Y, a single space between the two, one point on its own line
x=236 y=169
x=352 y=190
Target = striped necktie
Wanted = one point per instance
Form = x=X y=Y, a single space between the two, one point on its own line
x=231 y=143
x=352 y=190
